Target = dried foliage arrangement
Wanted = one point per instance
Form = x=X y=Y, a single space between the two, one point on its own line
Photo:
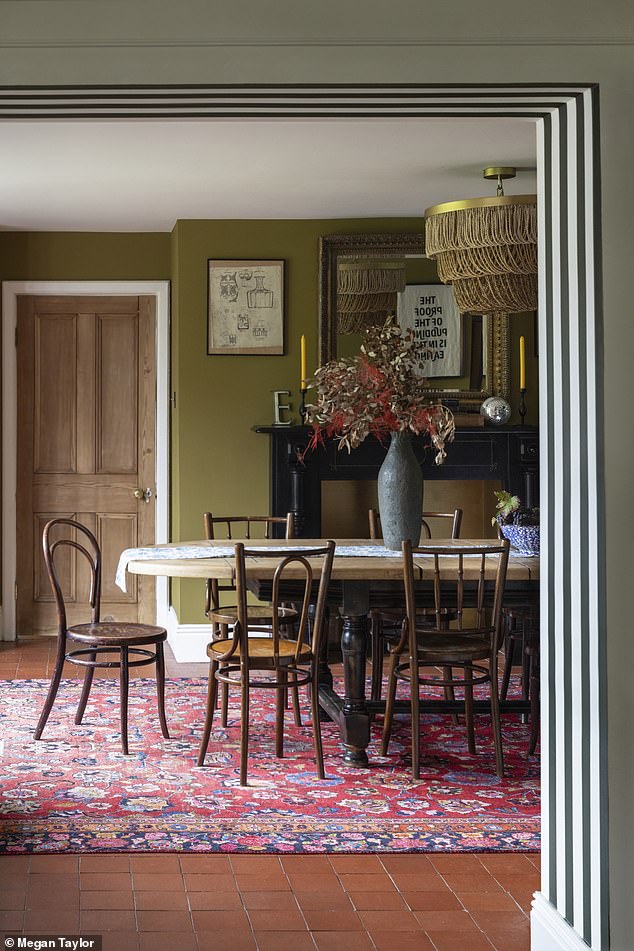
x=376 y=393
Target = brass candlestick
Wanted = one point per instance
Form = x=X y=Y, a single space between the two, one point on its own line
x=522 y=406
x=303 y=412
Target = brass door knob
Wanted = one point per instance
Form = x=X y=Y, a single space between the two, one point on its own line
x=143 y=494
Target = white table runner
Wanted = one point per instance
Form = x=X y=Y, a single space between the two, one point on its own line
x=174 y=552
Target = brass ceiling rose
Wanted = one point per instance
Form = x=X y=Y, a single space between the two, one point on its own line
x=487 y=248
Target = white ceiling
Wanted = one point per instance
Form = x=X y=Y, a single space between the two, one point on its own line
x=143 y=176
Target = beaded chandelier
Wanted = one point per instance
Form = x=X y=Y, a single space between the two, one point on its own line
x=487 y=249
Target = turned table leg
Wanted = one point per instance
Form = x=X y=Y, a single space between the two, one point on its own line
x=356 y=717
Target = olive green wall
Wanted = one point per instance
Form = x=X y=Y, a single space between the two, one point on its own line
x=84 y=256
x=222 y=465
x=218 y=463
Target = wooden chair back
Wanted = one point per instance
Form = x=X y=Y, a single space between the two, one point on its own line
x=462 y=579
x=453 y=570
x=88 y=547
x=450 y=521
x=240 y=526
x=247 y=526
x=301 y=568
x=292 y=662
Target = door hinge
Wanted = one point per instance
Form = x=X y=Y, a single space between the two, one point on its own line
x=15 y=591
x=16 y=335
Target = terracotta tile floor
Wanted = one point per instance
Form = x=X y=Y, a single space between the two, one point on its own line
x=264 y=903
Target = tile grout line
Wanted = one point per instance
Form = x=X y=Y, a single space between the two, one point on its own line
x=301 y=910
x=482 y=932
x=449 y=888
x=371 y=939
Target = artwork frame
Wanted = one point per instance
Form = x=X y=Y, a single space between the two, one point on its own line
x=245 y=306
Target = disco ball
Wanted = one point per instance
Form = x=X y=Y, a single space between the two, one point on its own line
x=496 y=409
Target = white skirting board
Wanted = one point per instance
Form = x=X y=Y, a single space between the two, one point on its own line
x=188 y=641
x=550 y=931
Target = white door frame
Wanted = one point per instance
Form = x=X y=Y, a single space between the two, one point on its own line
x=160 y=290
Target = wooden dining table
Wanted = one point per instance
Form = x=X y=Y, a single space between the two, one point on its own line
x=360 y=582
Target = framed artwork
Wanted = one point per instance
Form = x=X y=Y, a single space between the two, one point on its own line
x=430 y=311
x=245 y=307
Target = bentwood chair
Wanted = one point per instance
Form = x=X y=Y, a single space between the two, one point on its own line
x=240 y=526
x=385 y=625
x=462 y=581
x=230 y=527
x=276 y=659
x=97 y=638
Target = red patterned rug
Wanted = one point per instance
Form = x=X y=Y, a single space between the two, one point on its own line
x=74 y=791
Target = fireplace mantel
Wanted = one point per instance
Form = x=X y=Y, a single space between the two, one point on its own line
x=509 y=454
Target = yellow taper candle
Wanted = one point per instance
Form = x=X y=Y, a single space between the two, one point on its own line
x=522 y=363
x=302 y=352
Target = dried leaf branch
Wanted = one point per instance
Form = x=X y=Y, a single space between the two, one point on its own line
x=378 y=392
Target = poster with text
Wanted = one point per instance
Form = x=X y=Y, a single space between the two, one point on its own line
x=430 y=311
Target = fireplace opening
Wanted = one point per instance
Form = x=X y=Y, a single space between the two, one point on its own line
x=345 y=504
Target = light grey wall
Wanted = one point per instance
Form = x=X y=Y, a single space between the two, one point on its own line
x=368 y=41
x=123 y=28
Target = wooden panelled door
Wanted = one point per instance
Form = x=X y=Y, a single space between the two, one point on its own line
x=86 y=445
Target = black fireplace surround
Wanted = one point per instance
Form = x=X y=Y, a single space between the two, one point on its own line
x=509 y=454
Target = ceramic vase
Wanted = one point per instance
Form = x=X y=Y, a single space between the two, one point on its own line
x=400 y=489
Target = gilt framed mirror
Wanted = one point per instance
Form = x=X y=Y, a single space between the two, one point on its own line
x=485 y=365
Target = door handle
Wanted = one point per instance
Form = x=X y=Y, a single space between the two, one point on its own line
x=145 y=494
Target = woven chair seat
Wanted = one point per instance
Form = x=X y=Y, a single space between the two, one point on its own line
x=261 y=648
